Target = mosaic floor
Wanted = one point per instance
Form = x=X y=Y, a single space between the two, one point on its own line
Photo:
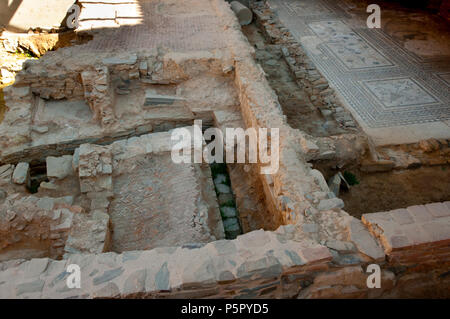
x=395 y=80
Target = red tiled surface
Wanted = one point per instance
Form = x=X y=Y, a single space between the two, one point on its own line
x=158 y=28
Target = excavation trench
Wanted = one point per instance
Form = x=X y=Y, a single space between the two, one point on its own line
x=294 y=100
x=394 y=189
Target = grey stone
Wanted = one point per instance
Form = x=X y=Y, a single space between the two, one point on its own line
x=130 y=255
x=21 y=173
x=45 y=203
x=99 y=203
x=109 y=291
x=272 y=62
x=364 y=241
x=135 y=282
x=64 y=200
x=76 y=159
x=193 y=246
x=226 y=276
x=151 y=98
x=40 y=129
x=107 y=276
x=296 y=259
x=225 y=199
x=329 y=204
x=225 y=247
x=30 y=287
x=59 y=167
x=35 y=267
x=143 y=68
x=224 y=189
x=3 y=194
x=6 y=170
x=10 y=215
x=345 y=260
x=220 y=179
x=244 y=14
x=318 y=177
x=341 y=246
x=162 y=278
x=231 y=224
x=334 y=184
x=228 y=212
x=48 y=185
x=266 y=267
x=310 y=228
x=130 y=59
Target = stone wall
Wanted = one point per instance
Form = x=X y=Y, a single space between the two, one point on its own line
x=255 y=265
x=31 y=220
x=415 y=234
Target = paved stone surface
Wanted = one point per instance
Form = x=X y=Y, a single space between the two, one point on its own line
x=396 y=87
x=152 y=24
x=157 y=204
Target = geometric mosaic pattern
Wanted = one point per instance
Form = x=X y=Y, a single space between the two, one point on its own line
x=445 y=77
x=383 y=83
x=399 y=92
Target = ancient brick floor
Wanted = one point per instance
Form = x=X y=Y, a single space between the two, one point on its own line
x=395 y=80
x=156 y=205
x=149 y=24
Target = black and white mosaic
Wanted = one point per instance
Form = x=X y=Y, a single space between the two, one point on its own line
x=382 y=82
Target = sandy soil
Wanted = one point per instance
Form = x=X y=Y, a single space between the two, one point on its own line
x=2 y=103
x=378 y=192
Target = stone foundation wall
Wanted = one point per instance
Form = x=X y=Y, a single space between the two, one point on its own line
x=255 y=265
x=32 y=220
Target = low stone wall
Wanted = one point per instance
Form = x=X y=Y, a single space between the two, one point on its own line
x=417 y=234
x=254 y=265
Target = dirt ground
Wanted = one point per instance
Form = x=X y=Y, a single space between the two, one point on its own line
x=301 y=113
x=378 y=192
x=2 y=103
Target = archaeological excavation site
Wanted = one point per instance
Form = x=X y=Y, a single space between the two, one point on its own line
x=93 y=92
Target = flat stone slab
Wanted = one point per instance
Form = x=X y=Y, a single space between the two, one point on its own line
x=59 y=167
x=418 y=228
x=21 y=173
x=152 y=98
x=160 y=203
